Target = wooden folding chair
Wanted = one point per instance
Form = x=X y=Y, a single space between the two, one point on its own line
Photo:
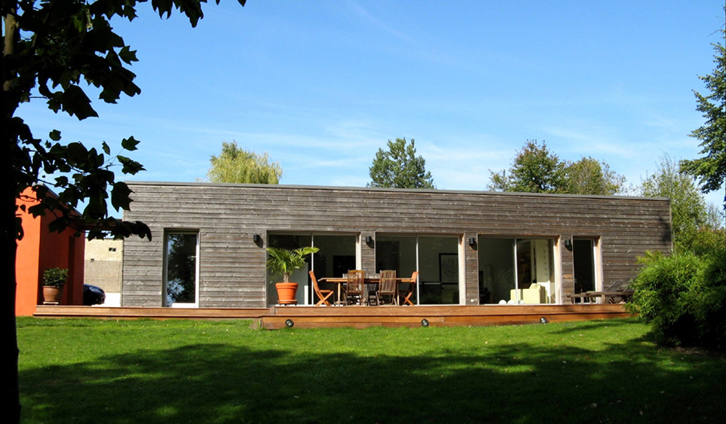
x=323 y=295
x=387 y=288
x=411 y=290
x=355 y=287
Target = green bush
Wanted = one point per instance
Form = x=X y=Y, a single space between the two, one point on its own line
x=684 y=297
x=55 y=277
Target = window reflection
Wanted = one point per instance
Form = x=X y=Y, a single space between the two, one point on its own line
x=181 y=268
x=516 y=271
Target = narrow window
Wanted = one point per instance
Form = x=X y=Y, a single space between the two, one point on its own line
x=181 y=269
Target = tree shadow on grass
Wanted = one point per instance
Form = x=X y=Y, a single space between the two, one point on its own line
x=513 y=383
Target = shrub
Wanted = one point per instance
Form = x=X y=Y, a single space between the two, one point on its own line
x=55 y=277
x=683 y=296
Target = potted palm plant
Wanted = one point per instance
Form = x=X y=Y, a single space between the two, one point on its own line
x=53 y=281
x=284 y=262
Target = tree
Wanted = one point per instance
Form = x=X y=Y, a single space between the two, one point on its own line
x=399 y=167
x=710 y=169
x=689 y=211
x=535 y=170
x=590 y=176
x=236 y=165
x=53 y=49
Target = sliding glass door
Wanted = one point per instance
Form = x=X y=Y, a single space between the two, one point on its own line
x=337 y=255
x=435 y=257
x=516 y=271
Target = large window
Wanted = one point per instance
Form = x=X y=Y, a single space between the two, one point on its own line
x=435 y=257
x=516 y=271
x=181 y=269
x=337 y=255
x=585 y=262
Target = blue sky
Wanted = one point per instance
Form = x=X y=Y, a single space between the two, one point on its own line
x=321 y=85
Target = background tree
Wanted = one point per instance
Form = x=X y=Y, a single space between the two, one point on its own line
x=534 y=170
x=53 y=49
x=691 y=216
x=683 y=296
x=236 y=165
x=710 y=169
x=399 y=167
x=590 y=176
x=538 y=170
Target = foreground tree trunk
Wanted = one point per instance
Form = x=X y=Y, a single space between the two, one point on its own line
x=9 y=389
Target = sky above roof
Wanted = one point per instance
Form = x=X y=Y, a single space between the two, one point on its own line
x=322 y=85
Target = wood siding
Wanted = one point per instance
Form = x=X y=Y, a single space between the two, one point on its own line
x=232 y=266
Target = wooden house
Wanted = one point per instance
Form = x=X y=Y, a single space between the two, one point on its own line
x=470 y=248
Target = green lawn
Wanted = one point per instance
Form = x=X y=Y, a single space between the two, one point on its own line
x=96 y=371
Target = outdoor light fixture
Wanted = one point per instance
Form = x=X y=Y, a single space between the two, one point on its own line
x=472 y=241
x=369 y=239
x=568 y=244
x=289 y=323
x=543 y=320
x=256 y=238
x=424 y=322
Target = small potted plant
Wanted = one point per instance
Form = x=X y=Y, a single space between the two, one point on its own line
x=53 y=281
x=284 y=262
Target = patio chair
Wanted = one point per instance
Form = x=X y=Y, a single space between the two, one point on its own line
x=355 y=287
x=408 y=299
x=323 y=295
x=387 y=288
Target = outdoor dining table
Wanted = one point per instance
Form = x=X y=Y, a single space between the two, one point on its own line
x=339 y=281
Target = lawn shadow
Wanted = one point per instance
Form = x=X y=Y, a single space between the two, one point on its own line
x=218 y=383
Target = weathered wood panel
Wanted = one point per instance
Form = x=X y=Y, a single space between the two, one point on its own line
x=232 y=266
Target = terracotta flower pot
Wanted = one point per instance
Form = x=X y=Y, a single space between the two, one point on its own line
x=286 y=293
x=52 y=295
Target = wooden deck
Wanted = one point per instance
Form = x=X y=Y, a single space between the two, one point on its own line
x=357 y=316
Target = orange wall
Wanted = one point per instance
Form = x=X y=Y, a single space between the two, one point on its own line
x=39 y=250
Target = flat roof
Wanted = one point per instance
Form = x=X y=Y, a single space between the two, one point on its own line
x=407 y=190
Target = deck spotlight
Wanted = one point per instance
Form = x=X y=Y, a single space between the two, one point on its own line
x=256 y=238
x=543 y=320
x=424 y=322
x=289 y=323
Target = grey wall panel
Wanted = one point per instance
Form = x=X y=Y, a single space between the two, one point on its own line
x=232 y=267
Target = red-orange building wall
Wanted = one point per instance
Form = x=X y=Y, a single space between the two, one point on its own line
x=41 y=249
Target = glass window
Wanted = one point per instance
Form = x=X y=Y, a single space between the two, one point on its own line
x=436 y=259
x=336 y=256
x=496 y=270
x=583 y=253
x=515 y=271
x=180 y=286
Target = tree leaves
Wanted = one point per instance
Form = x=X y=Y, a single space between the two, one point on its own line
x=710 y=169
x=399 y=167
x=537 y=170
x=236 y=165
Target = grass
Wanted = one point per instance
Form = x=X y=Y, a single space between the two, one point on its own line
x=91 y=371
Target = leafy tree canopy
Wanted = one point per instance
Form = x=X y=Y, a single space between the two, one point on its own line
x=690 y=214
x=56 y=50
x=399 y=167
x=710 y=169
x=236 y=165
x=535 y=170
x=538 y=170
x=590 y=176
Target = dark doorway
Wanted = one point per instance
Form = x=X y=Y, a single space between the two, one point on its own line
x=583 y=252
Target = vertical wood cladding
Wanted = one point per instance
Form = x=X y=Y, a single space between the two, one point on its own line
x=232 y=266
